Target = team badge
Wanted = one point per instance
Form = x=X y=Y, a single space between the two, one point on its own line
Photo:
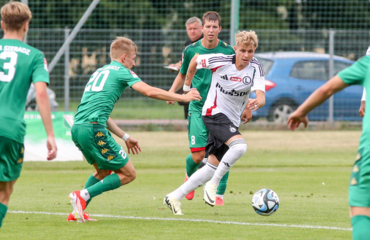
x=232 y=129
x=133 y=74
x=247 y=80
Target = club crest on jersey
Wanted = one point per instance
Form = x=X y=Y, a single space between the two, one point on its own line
x=232 y=129
x=133 y=74
x=247 y=80
x=236 y=79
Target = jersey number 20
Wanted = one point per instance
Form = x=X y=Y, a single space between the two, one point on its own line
x=10 y=66
x=93 y=83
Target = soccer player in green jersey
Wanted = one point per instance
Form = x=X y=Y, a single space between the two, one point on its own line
x=92 y=122
x=359 y=185
x=20 y=65
x=197 y=132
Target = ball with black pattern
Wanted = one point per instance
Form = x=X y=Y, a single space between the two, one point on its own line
x=265 y=202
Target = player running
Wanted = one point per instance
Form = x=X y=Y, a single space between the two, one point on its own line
x=92 y=122
x=233 y=78
x=359 y=185
x=20 y=65
x=197 y=131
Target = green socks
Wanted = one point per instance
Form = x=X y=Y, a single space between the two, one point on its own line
x=223 y=183
x=191 y=166
x=110 y=182
x=90 y=182
x=361 y=227
x=3 y=210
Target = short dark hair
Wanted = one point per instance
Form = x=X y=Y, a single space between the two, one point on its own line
x=212 y=16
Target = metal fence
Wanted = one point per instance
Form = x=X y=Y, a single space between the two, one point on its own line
x=158 y=48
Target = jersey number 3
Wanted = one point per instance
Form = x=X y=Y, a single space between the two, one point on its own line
x=93 y=83
x=10 y=66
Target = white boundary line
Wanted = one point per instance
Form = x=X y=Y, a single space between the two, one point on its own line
x=192 y=220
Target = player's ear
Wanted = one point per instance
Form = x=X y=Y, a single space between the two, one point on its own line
x=2 y=25
x=234 y=48
x=25 y=26
x=123 y=57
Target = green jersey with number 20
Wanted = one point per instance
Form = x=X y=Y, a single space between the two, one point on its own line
x=102 y=91
x=20 y=64
x=203 y=77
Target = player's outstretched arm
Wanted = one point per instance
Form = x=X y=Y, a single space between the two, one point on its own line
x=258 y=102
x=247 y=114
x=319 y=96
x=176 y=85
x=192 y=69
x=131 y=143
x=43 y=104
x=161 y=94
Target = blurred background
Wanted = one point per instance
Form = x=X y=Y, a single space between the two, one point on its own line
x=302 y=43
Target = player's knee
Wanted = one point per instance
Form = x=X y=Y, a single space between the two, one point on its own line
x=198 y=156
x=238 y=146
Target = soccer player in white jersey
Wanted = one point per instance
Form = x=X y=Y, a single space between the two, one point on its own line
x=233 y=78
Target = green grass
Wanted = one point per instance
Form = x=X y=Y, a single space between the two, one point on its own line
x=294 y=165
x=138 y=109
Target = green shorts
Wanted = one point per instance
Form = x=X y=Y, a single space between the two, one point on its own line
x=98 y=146
x=197 y=132
x=359 y=183
x=11 y=159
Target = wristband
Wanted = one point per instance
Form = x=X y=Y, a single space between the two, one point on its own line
x=186 y=88
x=125 y=137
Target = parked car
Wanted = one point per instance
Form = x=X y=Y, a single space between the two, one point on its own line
x=292 y=76
x=31 y=99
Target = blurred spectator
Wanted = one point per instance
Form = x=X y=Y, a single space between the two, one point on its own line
x=194 y=30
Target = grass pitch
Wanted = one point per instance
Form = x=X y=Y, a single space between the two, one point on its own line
x=308 y=170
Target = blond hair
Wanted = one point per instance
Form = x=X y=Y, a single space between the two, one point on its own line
x=120 y=46
x=244 y=39
x=14 y=15
x=212 y=16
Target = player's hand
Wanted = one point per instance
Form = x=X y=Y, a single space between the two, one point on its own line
x=192 y=95
x=52 y=148
x=361 y=111
x=171 y=102
x=246 y=116
x=133 y=146
x=253 y=104
x=178 y=66
x=295 y=119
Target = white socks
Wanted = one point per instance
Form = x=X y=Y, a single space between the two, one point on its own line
x=85 y=194
x=237 y=148
x=198 y=179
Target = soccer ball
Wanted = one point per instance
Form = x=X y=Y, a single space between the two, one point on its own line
x=265 y=202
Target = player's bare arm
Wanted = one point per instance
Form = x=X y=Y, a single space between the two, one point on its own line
x=247 y=114
x=361 y=111
x=319 y=96
x=131 y=143
x=258 y=102
x=192 y=70
x=43 y=104
x=176 y=85
x=160 y=94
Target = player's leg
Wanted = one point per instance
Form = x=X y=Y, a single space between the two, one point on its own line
x=359 y=196
x=11 y=161
x=6 y=189
x=198 y=135
x=102 y=151
x=221 y=190
x=225 y=132
x=198 y=179
x=360 y=218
